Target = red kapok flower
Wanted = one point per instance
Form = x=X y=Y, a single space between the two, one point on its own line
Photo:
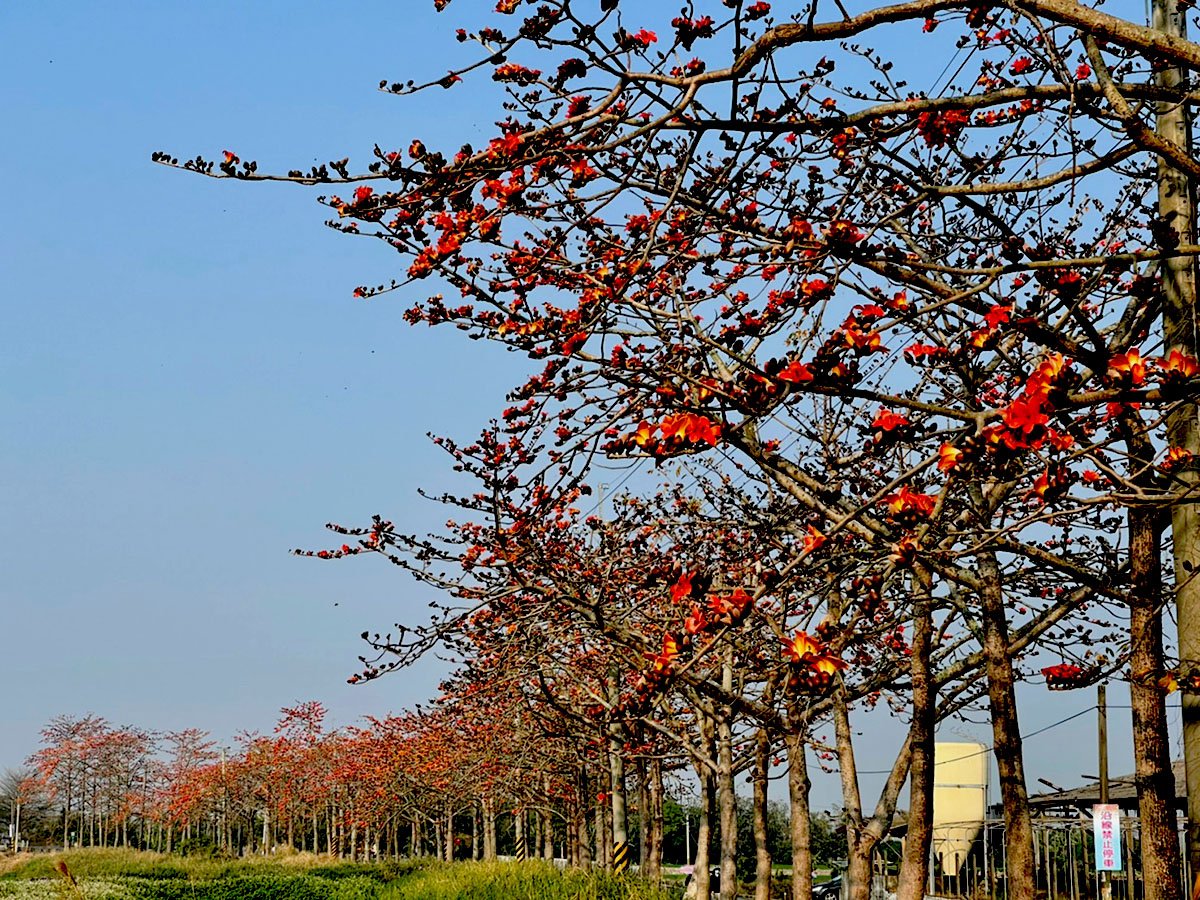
x=1128 y=368
x=948 y=457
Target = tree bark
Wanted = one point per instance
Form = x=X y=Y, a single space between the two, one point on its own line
x=475 y=848
x=703 y=833
x=762 y=851
x=914 y=868
x=1177 y=206
x=800 y=827
x=726 y=793
x=616 y=766
x=655 y=818
x=581 y=808
x=1151 y=742
x=639 y=768
x=1006 y=732
x=604 y=815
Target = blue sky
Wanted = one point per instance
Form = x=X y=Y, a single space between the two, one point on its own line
x=188 y=389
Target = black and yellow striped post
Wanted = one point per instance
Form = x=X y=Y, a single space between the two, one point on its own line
x=621 y=857
x=522 y=849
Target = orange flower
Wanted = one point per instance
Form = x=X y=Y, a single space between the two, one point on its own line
x=696 y=622
x=644 y=434
x=907 y=500
x=886 y=420
x=795 y=372
x=692 y=428
x=1059 y=440
x=948 y=457
x=801 y=646
x=661 y=663
x=860 y=341
x=682 y=589
x=1178 y=366
x=815 y=289
x=814 y=540
x=1045 y=375
x=1176 y=458
x=1127 y=368
x=827 y=665
x=1051 y=484
x=1025 y=414
x=998 y=315
x=732 y=608
x=1062 y=675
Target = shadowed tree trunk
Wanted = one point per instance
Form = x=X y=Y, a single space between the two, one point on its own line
x=1152 y=751
x=914 y=869
x=655 y=817
x=726 y=792
x=800 y=827
x=1006 y=731
x=762 y=851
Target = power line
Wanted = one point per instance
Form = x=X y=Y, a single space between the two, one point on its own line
x=989 y=749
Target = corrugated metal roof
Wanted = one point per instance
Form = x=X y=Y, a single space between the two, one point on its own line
x=1122 y=789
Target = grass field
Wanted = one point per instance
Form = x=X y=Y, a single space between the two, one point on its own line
x=134 y=875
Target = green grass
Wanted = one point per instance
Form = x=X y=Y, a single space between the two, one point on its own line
x=516 y=881
x=134 y=875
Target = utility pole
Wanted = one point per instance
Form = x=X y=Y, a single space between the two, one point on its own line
x=1102 y=739
x=16 y=824
x=1177 y=209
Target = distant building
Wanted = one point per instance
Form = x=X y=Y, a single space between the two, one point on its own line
x=1122 y=790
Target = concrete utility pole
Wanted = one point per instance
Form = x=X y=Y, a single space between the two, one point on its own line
x=1177 y=207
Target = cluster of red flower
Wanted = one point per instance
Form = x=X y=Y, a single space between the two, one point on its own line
x=813 y=666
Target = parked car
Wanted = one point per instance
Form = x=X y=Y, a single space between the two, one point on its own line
x=828 y=890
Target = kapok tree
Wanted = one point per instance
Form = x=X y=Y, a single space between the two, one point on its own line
x=542 y=582
x=745 y=254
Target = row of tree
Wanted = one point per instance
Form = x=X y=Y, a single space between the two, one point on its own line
x=393 y=787
x=919 y=344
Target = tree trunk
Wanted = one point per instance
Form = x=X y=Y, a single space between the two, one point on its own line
x=639 y=766
x=616 y=765
x=800 y=828
x=727 y=809
x=581 y=808
x=762 y=851
x=655 y=817
x=703 y=832
x=914 y=868
x=491 y=829
x=330 y=841
x=1151 y=742
x=475 y=848
x=726 y=793
x=603 y=830
x=1006 y=732
x=1177 y=207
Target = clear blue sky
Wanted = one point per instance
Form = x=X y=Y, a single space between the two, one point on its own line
x=188 y=390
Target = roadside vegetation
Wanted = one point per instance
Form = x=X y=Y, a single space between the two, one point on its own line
x=140 y=875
